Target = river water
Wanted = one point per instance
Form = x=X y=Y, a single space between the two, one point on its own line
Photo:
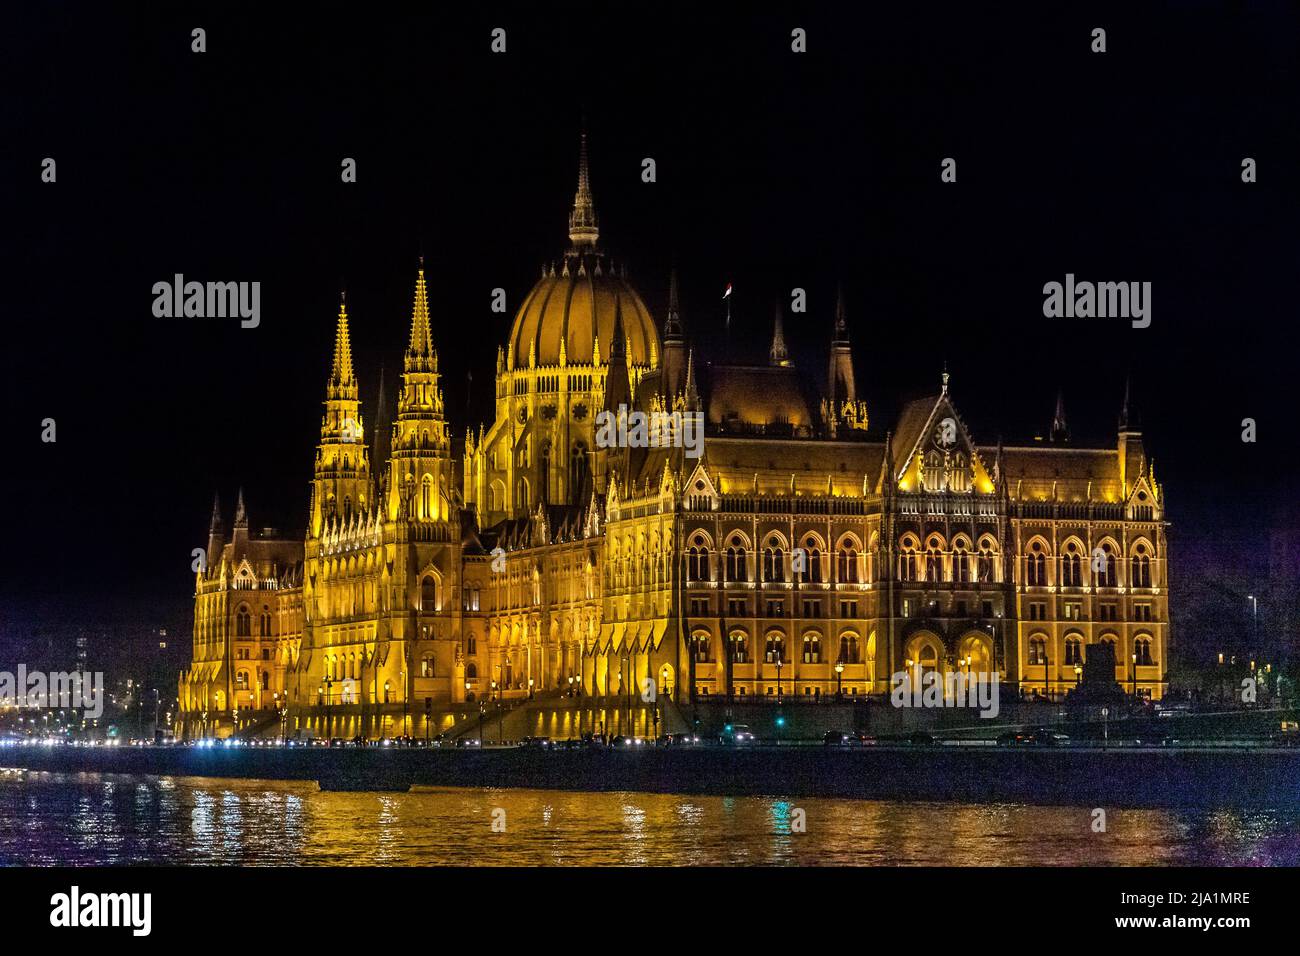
x=108 y=819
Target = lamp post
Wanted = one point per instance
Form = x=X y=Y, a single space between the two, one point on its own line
x=482 y=713
x=627 y=691
x=1254 y=627
x=329 y=701
x=530 y=688
x=1135 y=676
x=839 y=680
x=1078 y=674
x=778 y=675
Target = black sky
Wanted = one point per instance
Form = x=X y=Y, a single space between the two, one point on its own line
x=775 y=170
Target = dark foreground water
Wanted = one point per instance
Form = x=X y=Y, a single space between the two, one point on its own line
x=107 y=819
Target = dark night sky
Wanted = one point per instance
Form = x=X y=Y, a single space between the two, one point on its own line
x=775 y=170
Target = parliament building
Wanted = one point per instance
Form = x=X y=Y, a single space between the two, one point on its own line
x=806 y=552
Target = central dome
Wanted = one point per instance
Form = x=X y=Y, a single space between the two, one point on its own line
x=574 y=306
x=571 y=310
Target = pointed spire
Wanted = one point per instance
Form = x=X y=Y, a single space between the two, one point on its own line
x=1128 y=419
x=583 y=227
x=617 y=349
x=341 y=372
x=841 y=334
x=1060 y=430
x=241 y=516
x=945 y=376
x=617 y=386
x=673 y=322
x=692 y=391
x=421 y=339
x=383 y=429
x=778 y=354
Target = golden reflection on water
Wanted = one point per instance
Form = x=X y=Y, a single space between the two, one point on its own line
x=106 y=819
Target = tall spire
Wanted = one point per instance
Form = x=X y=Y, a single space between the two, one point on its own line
x=383 y=429
x=583 y=227
x=215 y=526
x=1128 y=419
x=841 y=320
x=420 y=354
x=241 y=516
x=617 y=387
x=673 y=322
x=778 y=354
x=341 y=375
x=692 y=391
x=1060 y=430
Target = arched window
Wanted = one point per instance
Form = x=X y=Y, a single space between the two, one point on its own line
x=739 y=648
x=848 y=565
x=815 y=565
x=241 y=680
x=907 y=561
x=1037 y=651
x=701 y=642
x=1140 y=568
x=736 y=570
x=848 y=649
x=1071 y=567
x=933 y=475
x=773 y=564
x=812 y=649
x=577 y=471
x=426 y=666
x=933 y=564
x=266 y=680
x=426 y=498
x=1104 y=569
x=960 y=563
x=775 y=650
x=1142 y=648
x=1036 y=566
x=243 y=623
x=265 y=623
x=697 y=562
x=428 y=595
x=986 y=562
x=1073 y=650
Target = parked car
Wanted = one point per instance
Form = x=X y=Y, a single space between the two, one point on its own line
x=541 y=743
x=681 y=740
x=1032 y=737
x=920 y=738
x=735 y=735
x=843 y=738
x=464 y=742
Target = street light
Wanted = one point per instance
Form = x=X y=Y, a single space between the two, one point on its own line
x=839 y=680
x=1135 y=675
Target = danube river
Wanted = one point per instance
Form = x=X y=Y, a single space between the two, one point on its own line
x=108 y=819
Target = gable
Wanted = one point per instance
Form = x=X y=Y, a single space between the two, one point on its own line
x=940 y=455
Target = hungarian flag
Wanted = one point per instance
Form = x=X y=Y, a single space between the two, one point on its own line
x=728 y=292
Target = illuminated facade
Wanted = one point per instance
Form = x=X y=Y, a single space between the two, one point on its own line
x=802 y=554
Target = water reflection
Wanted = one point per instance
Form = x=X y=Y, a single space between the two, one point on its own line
x=106 y=819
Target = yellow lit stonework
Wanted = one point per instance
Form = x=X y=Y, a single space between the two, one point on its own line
x=533 y=563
